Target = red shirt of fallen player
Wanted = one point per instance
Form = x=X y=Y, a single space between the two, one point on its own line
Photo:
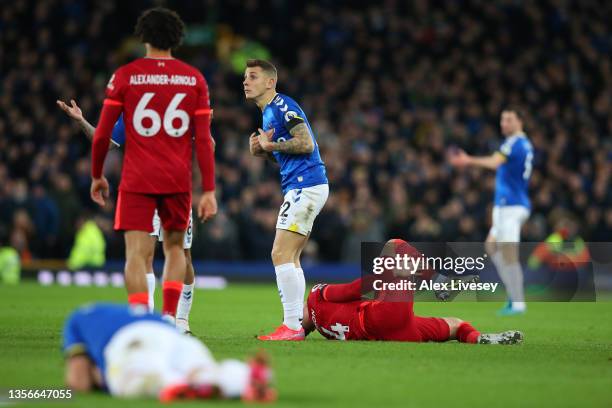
x=165 y=106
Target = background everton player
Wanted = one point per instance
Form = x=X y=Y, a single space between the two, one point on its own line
x=338 y=312
x=186 y=299
x=162 y=100
x=513 y=163
x=287 y=138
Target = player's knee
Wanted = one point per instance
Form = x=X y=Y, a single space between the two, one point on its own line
x=173 y=242
x=149 y=251
x=136 y=256
x=509 y=252
x=281 y=255
x=174 y=238
x=149 y=262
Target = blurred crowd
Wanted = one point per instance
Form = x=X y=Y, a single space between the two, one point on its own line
x=388 y=87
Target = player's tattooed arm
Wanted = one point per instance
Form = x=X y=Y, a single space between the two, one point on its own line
x=74 y=112
x=87 y=128
x=300 y=143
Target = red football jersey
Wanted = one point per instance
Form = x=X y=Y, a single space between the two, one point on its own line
x=335 y=321
x=373 y=320
x=160 y=98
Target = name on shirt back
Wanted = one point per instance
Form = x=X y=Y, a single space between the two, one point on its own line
x=162 y=79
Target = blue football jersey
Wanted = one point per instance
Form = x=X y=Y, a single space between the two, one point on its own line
x=296 y=170
x=118 y=135
x=512 y=178
x=90 y=328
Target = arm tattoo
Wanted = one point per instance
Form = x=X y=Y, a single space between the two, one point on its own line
x=300 y=143
x=89 y=131
x=87 y=128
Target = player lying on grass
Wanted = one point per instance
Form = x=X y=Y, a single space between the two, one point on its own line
x=132 y=353
x=339 y=312
x=186 y=300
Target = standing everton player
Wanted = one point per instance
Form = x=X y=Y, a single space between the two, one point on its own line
x=513 y=165
x=287 y=138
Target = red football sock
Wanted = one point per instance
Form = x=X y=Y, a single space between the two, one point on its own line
x=140 y=298
x=343 y=292
x=171 y=293
x=466 y=333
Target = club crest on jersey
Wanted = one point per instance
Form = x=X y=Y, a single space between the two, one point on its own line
x=290 y=115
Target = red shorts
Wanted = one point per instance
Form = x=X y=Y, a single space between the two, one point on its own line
x=135 y=211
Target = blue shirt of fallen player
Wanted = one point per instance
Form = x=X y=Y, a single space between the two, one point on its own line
x=296 y=170
x=512 y=177
x=118 y=135
x=90 y=328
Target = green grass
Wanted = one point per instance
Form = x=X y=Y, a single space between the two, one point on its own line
x=566 y=360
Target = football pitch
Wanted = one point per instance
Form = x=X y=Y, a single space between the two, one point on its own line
x=566 y=360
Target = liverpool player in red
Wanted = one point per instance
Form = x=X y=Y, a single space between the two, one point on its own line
x=163 y=101
x=339 y=312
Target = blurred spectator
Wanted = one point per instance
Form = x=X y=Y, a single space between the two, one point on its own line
x=388 y=87
x=22 y=234
x=89 y=249
x=69 y=206
x=45 y=216
x=217 y=239
x=564 y=249
x=10 y=264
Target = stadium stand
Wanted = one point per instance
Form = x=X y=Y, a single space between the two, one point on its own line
x=388 y=88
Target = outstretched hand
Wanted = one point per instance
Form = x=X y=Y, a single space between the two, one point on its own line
x=458 y=158
x=73 y=111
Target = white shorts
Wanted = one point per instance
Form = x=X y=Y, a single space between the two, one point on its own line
x=158 y=231
x=300 y=208
x=145 y=357
x=507 y=222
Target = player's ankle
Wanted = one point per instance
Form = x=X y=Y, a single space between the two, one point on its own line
x=293 y=324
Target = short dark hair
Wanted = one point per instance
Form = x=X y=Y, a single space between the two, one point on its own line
x=520 y=114
x=160 y=27
x=266 y=66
